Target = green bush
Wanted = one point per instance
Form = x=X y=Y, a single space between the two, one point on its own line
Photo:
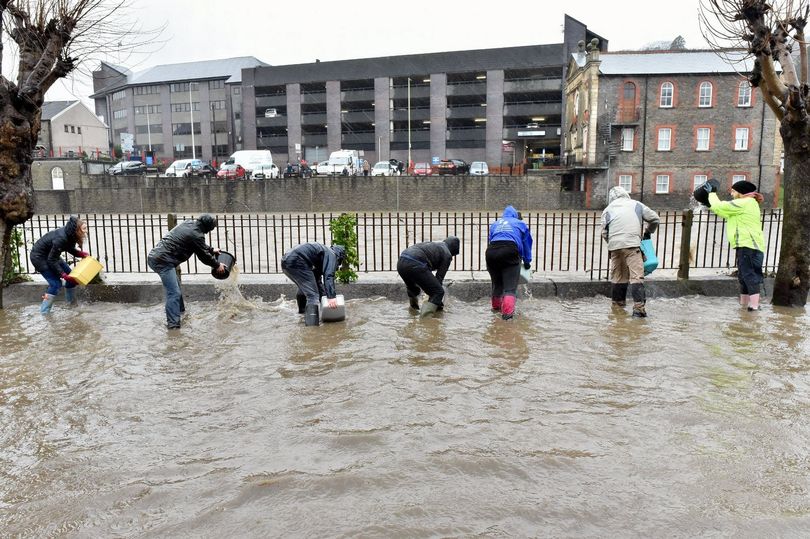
x=13 y=271
x=344 y=232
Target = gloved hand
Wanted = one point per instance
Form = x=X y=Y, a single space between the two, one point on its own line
x=68 y=279
x=527 y=265
x=711 y=186
x=646 y=235
x=82 y=254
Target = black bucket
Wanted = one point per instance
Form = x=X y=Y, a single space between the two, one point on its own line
x=701 y=195
x=228 y=260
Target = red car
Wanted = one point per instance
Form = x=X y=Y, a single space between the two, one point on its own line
x=231 y=172
x=422 y=169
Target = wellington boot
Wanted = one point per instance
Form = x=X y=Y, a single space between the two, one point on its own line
x=639 y=310
x=427 y=308
x=70 y=296
x=47 y=303
x=508 y=307
x=414 y=303
x=312 y=316
x=301 y=300
x=497 y=303
x=618 y=293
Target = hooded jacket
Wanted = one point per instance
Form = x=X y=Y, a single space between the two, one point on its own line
x=181 y=242
x=623 y=220
x=744 y=221
x=48 y=249
x=436 y=255
x=322 y=261
x=510 y=228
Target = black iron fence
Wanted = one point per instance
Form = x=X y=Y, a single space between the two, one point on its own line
x=567 y=242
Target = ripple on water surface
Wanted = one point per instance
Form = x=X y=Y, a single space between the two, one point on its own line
x=571 y=420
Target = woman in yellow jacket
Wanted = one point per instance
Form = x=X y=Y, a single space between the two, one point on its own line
x=744 y=233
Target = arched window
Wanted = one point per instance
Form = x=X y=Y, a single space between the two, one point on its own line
x=744 y=94
x=57 y=178
x=705 y=98
x=629 y=97
x=667 y=91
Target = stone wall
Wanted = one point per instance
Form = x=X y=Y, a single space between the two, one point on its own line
x=105 y=194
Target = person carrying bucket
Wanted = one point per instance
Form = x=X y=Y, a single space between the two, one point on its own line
x=312 y=267
x=509 y=244
x=416 y=266
x=623 y=226
x=184 y=240
x=46 y=255
x=744 y=234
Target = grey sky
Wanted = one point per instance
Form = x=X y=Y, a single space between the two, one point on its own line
x=299 y=32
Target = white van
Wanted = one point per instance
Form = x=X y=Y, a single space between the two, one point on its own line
x=348 y=160
x=249 y=159
x=479 y=168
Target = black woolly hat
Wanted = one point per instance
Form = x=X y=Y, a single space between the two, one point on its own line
x=744 y=187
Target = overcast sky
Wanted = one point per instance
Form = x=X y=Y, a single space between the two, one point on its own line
x=290 y=32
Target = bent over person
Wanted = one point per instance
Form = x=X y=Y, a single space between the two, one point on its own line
x=184 y=240
x=509 y=243
x=623 y=226
x=416 y=266
x=312 y=267
x=46 y=255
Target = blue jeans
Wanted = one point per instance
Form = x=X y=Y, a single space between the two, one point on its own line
x=174 y=298
x=55 y=281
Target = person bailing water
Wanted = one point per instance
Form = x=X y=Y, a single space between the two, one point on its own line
x=184 y=240
x=46 y=255
x=623 y=221
x=416 y=265
x=508 y=244
x=312 y=267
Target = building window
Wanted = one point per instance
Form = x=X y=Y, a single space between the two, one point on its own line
x=216 y=84
x=185 y=107
x=626 y=182
x=72 y=128
x=664 y=139
x=738 y=178
x=67 y=129
x=628 y=133
x=667 y=91
x=218 y=105
x=237 y=90
x=705 y=98
x=143 y=90
x=703 y=137
x=79 y=130
x=183 y=87
x=744 y=94
x=662 y=183
x=699 y=179
x=57 y=178
x=185 y=128
x=741 y=139
x=119 y=114
x=120 y=94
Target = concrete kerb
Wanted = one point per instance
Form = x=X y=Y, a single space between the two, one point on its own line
x=464 y=286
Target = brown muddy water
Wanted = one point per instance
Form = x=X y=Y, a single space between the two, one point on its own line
x=569 y=421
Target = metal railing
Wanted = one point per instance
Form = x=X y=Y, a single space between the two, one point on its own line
x=563 y=241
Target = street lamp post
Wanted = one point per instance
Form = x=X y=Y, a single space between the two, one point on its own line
x=191 y=115
x=409 y=123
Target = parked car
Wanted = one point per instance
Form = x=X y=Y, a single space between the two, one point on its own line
x=454 y=167
x=265 y=171
x=126 y=168
x=292 y=170
x=479 y=168
x=322 y=168
x=205 y=171
x=181 y=169
x=231 y=171
x=383 y=168
x=422 y=169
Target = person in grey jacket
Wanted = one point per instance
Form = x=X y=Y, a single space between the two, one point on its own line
x=312 y=267
x=184 y=240
x=623 y=227
x=416 y=266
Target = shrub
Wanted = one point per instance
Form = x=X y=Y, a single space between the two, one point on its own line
x=344 y=232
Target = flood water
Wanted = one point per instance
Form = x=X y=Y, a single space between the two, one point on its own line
x=570 y=421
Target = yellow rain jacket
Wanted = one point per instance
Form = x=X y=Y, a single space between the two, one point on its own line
x=744 y=223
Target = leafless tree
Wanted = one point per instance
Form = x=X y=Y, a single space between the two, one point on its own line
x=772 y=33
x=46 y=40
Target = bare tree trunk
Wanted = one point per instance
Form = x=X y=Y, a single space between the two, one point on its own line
x=793 y=277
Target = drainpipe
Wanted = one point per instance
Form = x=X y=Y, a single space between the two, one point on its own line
x=761 y=138
x=644 y=139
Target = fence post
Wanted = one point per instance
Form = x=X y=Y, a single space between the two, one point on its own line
x=172 y=222
x=686 y=241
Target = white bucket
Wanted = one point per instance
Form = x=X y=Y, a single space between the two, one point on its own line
x=525 y=275
x=333 y=315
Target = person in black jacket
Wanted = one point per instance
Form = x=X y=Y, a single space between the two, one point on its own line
x=184 y=240
x=312 y=266
x=416 y=266
x=46 y=255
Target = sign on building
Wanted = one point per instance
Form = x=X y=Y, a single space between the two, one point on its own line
x=127 y=142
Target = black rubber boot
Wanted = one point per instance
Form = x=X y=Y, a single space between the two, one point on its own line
x=414 y=302
x=619 y=294
x=639 y=300
x=311 y=317
x=301 y=299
